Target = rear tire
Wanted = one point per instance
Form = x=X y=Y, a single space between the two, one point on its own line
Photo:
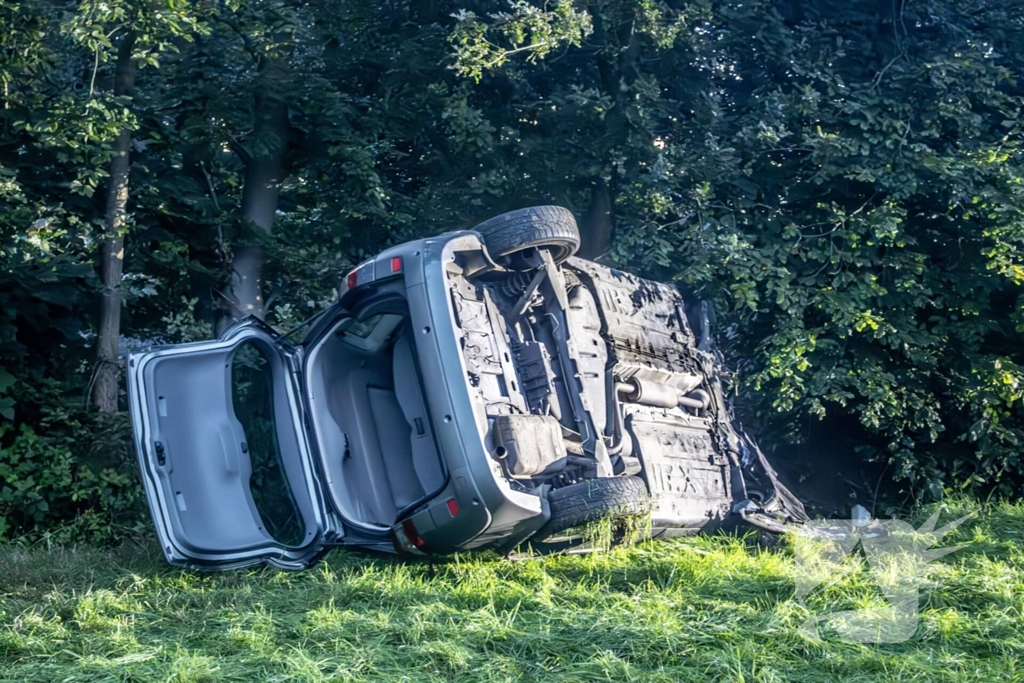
x=539 y=227
x=594 y=500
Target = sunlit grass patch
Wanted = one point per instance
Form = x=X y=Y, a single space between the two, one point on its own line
x=694 y=609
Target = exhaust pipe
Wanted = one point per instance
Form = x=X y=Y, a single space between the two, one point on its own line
x=661 y=395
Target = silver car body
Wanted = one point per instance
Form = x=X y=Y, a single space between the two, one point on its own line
x=390 y=417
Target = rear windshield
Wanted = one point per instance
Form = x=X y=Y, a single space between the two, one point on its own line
x=370 y=334
x=252 y=399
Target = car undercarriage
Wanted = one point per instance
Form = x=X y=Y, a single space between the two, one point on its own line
x=587 y=372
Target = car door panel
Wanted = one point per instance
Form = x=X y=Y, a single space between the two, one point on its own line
x=197 y=457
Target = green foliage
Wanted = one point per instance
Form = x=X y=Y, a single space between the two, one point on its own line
x=866 y=237
x=526 y=29
x=843 y=181
x=7 y=403
x=845 y=184
x=71 y=476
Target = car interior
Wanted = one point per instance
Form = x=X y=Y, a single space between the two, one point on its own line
x=374 y=434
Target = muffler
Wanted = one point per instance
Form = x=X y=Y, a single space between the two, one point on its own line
x=648 y=393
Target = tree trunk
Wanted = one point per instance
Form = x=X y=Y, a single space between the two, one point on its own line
x=596 y=235
x=106 y=380
x=264 y=172
x=616 y=74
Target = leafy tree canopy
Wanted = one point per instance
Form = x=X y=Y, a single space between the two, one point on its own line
x=843 y=180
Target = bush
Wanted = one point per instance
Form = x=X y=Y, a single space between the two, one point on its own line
x=72 y=474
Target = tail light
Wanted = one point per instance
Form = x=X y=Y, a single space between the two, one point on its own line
x=410 y=532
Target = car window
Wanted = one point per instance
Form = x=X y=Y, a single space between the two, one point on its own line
x=372 y=333
x=252 y=399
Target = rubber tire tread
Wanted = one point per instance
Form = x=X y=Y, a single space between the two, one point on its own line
x=594 y=500
x=553 y=227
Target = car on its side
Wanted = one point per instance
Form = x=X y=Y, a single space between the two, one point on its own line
x=478 y=389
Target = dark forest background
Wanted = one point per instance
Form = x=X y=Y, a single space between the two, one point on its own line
x=842 y=179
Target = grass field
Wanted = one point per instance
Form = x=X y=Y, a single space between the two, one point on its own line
x=694 y=609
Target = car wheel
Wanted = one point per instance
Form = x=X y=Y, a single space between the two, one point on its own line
x=540 y=227
x=594 y=500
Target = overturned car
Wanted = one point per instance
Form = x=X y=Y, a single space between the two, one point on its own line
x=479 y=389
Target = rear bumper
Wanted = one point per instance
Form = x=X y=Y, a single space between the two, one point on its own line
x=489 y=511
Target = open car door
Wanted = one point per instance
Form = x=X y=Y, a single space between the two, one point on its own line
x=224 y=454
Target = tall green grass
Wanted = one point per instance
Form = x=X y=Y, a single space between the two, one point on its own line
x=706 y=608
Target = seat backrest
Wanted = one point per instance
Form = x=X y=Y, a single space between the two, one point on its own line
x=426 y=461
